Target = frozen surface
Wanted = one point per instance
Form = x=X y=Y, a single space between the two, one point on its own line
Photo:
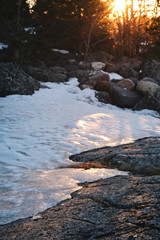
x=39 y=132
x=2 y=45
x=115 y=76
x=60 y=51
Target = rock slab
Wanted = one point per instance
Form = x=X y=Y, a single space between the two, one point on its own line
x=142 y=156
x=121 y=207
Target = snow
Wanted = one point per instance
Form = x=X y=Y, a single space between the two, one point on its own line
x=2 y=46
x=115 y=76
x=38 y=133
x=31 y=30
x=60 y=51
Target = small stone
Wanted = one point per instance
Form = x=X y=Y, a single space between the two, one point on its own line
x=36 y=217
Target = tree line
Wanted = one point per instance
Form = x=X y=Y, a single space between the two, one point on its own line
x=80 y=26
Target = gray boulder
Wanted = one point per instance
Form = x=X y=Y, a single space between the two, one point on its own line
x=149 y=102
x=148 y=79
x=124 y=98
x=13 y=80
x=98 y=77
x=103 y=97
x=151 y=68
x=147 y=87
x=47 y=74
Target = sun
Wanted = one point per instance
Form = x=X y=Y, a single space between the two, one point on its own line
x=119 y=5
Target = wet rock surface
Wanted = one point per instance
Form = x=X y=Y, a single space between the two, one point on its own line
x=142 y=156
x=121 y=207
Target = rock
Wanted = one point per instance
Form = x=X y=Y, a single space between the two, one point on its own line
x=83 y=76
x=84 y=65
x=103 y=86
x=142 y=156
x=134 y=80
x=98 y=77
x=57 y=74
x=121 y=207
x=127 y=71
x=147 y=87
x=13 y=80
x=98 y=65
x=72 y=70
x=148 y=79
x=157 y=96
x=47 y=74
x=124 y=98
x=127 y=84
x=151 y=68
x=103 y=97
x=149 y=102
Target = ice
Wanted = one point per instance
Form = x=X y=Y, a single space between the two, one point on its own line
x=2 y=45
x=38 y=133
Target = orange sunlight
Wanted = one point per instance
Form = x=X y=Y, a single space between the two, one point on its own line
x=120 y=5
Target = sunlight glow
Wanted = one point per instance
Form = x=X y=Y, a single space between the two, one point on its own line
x=145 y=7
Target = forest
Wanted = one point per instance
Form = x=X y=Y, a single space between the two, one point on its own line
x=31 y=28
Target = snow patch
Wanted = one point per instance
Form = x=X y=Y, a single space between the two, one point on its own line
x=60 y=51
x=2 y=46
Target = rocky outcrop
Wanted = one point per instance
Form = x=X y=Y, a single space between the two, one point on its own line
x=151 y=68
x=47 y=74
x=121 y=207
x=13 y=80
x=142 y=156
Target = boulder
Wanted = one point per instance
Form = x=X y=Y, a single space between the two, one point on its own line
x=72 y=70
x=98 y=77
x=127 y=84
x=13 y=80
x=103 y=86
x=98 y=65
x=151 y=68
x=47 y=74
x=103 y=97
x=148 y=79
x=83 y=75
x=127 y=71
x=147 y=87
x=124 y=98
x=141 y=156
x=149 y=102
x=134 y=80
